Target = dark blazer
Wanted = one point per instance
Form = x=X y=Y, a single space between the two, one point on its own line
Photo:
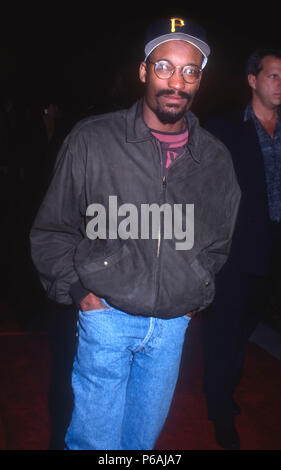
x=251 y=244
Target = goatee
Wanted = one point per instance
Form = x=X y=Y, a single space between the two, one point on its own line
x=172 y=115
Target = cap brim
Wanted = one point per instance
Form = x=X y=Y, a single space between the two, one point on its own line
x=201 y=45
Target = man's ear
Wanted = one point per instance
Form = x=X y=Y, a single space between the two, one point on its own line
x=142 y=72
x=252 y=81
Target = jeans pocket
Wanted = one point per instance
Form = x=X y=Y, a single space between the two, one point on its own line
x=95 y=311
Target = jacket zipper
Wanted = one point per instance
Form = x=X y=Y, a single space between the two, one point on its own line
x=159 y=241
x=158 y=250
x=160 y=225
x=164 y=184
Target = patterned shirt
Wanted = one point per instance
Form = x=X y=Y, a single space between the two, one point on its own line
x=172 y=145
x=271 y=151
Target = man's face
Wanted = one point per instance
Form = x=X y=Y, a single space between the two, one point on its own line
x=266 y=85
x=169 y=99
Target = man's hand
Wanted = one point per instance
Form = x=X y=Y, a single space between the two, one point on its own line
x=91 y=302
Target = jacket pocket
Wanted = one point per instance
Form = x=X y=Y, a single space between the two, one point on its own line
x=207 y=280
x=106 y=262
x=118 y=272
x=92 y=257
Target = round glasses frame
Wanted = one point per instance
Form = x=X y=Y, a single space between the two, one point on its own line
x=190 y=73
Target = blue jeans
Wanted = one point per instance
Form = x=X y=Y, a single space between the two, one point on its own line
x=124 y=375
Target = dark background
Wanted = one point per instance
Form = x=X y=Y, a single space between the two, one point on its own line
x=86 y=55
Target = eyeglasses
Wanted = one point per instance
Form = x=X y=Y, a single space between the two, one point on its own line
x=164 y=70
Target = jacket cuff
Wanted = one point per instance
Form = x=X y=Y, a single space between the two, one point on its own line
x=78 y=292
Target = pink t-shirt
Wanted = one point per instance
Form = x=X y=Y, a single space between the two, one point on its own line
x=171 y=145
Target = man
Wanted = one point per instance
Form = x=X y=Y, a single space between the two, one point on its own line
x=136 y=283
x=253 y=137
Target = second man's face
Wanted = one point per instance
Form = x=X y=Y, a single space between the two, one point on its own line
x=267 y=84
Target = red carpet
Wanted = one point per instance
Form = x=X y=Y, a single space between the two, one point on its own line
x=25 y=374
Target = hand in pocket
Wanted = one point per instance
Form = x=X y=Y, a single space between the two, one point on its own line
x=91 y=302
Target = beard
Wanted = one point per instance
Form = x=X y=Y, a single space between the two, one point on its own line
x=170 y=116
x=173 y=114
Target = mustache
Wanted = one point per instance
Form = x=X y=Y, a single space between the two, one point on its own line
x=180 y=93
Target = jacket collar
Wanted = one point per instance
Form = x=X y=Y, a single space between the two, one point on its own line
x=138 y=131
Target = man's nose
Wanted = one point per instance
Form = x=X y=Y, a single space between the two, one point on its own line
x=176 y=81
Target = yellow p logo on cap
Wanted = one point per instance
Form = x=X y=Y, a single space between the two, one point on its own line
x=176 y=22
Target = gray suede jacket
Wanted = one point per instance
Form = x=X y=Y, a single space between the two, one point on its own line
x=111 y=164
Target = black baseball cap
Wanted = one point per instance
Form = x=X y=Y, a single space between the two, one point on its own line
x=173 y=29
